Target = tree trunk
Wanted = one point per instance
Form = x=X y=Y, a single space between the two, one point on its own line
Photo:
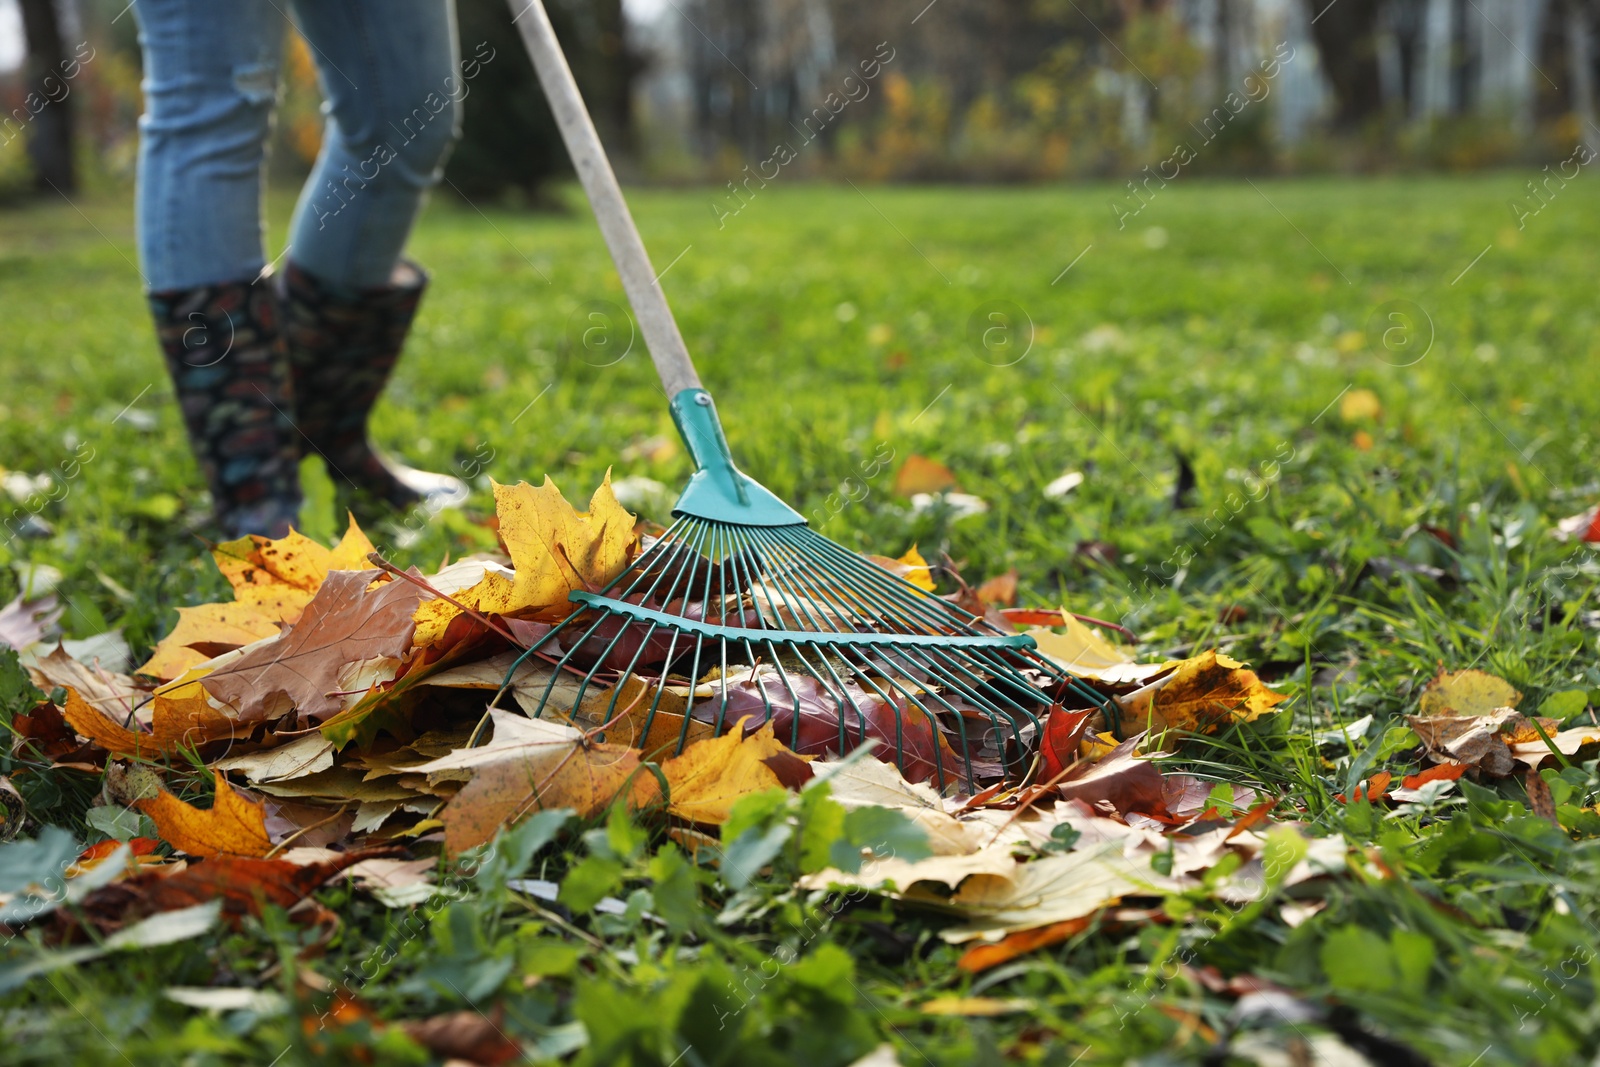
x=1580 y=57
x=50 y=132
x=1346 y=32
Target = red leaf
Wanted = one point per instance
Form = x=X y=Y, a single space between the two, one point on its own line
x=1059 y=747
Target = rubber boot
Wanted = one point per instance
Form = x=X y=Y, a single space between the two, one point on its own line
x=225 y=353
x=343 y=346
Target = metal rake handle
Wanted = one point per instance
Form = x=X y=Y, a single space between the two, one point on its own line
x=660 y=330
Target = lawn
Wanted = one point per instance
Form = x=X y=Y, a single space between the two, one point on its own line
x=1327 y=426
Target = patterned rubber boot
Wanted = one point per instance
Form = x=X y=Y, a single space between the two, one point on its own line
x=225 y=353
x=343 y=345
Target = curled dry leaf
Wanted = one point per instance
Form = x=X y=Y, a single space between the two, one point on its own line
x=23 y=622
x=464 y=1037
x=232 y=826
x=1000 y=591
x=1481 y=741
x=183 y=716
x=278 y=578
x=1122 y=781
x=114 y=695
x=294 y=759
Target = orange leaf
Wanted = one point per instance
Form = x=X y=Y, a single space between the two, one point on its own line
x=232 y=826
x=1447 y=772
x=105 y=731
x=919 y=474
x=181 y=714
x=1000 y=591
x=983 y=956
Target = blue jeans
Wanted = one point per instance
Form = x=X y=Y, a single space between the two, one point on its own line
x=393 y=95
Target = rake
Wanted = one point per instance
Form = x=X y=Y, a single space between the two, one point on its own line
x=738 y=608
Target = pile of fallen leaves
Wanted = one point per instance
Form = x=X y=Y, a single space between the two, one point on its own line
x=343 y=718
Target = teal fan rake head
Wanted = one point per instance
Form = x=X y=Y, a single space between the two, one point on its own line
x=739 y=609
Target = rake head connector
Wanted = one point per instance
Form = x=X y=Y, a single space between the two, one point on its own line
x=739 y=610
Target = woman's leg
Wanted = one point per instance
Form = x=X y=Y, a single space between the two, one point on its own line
x=388 y=70
x=210 y=82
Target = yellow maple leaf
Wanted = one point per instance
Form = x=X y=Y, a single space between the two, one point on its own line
x=555 y=550
x=232 y=826
x=1469 y=692
x=919 y=573
x=1201 y=695
x=711 y=776
x=215 y=627
x=279 y=577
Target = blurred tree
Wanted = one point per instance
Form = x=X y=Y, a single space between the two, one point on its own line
x=509 y=139
x=1346 y=32
x=50 y=133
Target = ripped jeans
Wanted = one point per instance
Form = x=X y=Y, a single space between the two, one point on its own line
x=388 y=74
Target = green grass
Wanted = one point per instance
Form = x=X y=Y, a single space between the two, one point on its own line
x=835 y=326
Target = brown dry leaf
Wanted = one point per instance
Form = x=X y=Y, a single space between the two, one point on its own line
x=243 y=884
x=345 y=623
x=215 y=628
x=1481 y=741
x=555 y=550
x=114 y=695
x=279 y=577
x=711 y=776
x=1201 y=695
x=232 y=826
x=1001 y=590
x=464 y=1037
x=919 y=474
x=528 y=765
x=1123 y=779
x=1467 y=693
